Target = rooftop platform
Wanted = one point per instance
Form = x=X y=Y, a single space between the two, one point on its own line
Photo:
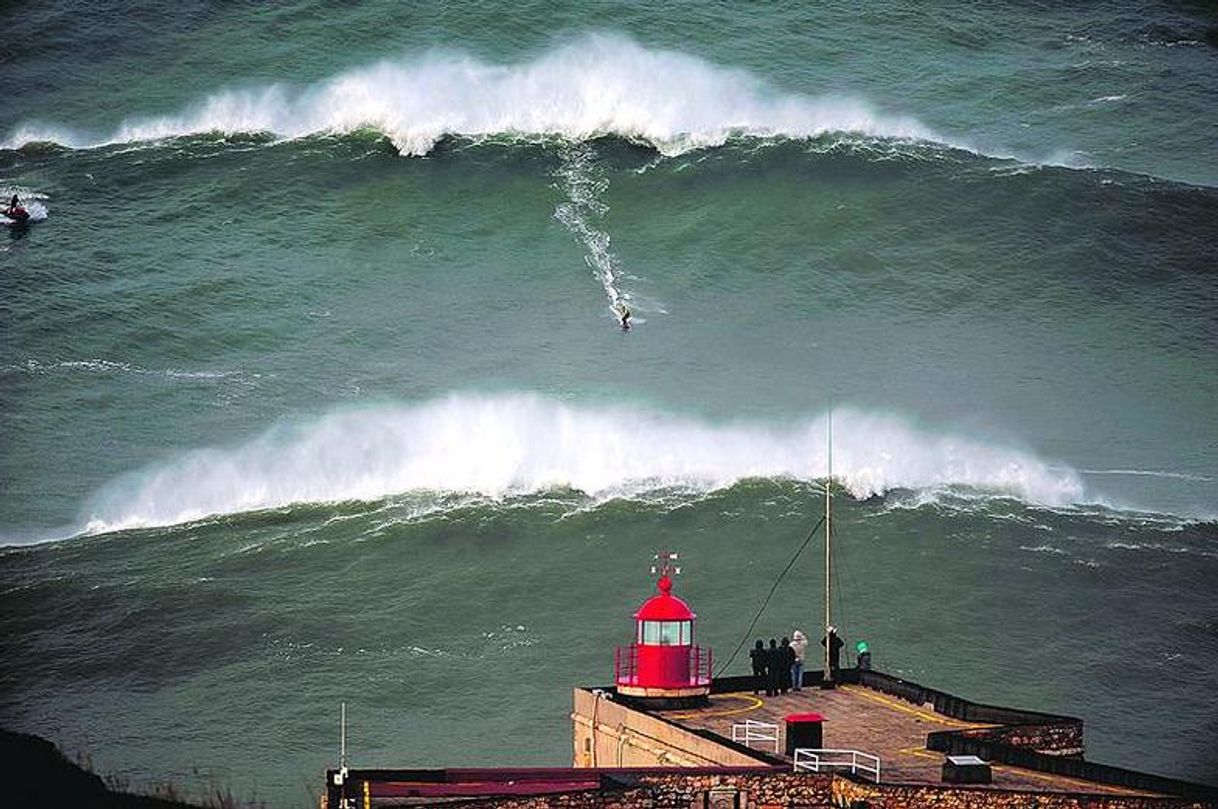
x=633 y=754
x=870 y=721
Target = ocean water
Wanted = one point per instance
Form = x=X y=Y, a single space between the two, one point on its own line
x=311 y=389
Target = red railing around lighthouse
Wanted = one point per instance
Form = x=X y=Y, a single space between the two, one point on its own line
x=698 y=673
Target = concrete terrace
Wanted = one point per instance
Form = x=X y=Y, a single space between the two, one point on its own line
x=863 y=719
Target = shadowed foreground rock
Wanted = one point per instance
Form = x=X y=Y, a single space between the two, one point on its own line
x=36 y=774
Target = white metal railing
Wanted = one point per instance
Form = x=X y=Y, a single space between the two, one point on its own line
x=754 y=731
x=816 y=760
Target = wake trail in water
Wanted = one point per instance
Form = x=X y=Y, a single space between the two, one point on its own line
x=518 y=444
x=1149 y=473
x=585 y=183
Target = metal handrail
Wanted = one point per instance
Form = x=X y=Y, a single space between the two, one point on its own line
x=626 y=664
x=752 y=730
x=809 y=759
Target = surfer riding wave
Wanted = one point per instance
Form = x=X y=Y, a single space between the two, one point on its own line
x=623 y=314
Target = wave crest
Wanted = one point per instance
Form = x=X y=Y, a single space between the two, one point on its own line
x=519 y=443
x=597 y=85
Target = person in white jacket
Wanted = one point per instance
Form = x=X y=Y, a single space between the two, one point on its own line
x=799 y=643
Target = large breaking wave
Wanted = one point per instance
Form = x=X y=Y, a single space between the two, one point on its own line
x=598 y=85
x=510 y=444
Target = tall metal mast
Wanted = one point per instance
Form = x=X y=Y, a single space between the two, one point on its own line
x=828 y=534
x=342 y=738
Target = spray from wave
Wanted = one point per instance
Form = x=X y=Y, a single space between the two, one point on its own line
x=597 y=85
x=505 y=445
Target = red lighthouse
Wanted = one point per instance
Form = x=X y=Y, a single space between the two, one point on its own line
x=663 y=663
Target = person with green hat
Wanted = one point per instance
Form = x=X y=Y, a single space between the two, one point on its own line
x=864 y=656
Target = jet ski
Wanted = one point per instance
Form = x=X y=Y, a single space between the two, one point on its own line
x=16 y=216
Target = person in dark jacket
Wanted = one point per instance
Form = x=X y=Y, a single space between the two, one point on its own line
x=773 y=664
x=787 y=659
x=835 y=651
x=757 y=655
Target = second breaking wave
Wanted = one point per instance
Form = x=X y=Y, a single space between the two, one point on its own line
x=511 y=444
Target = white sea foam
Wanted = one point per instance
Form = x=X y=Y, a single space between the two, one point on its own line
x=104 y=366
x=598 y=84
x=1043 y=549
x=1148 y=473
x=38 y=211
x=508 y=444
x=584 y=185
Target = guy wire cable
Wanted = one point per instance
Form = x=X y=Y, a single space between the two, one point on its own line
x=766 y=603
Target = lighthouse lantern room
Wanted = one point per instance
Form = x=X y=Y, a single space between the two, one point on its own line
x=663 y=663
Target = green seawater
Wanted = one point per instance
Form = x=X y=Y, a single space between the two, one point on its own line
x=311 y=388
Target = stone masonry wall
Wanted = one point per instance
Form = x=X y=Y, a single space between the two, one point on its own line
x=1055 y=739
x=676 y=791
x=807 y=791
x=848 y=793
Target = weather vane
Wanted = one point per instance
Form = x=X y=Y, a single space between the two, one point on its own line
x=665 y=564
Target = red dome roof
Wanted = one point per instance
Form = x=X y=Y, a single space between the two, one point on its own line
x=665 y=606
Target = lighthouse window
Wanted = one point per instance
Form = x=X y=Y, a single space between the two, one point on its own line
x=666 y=633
